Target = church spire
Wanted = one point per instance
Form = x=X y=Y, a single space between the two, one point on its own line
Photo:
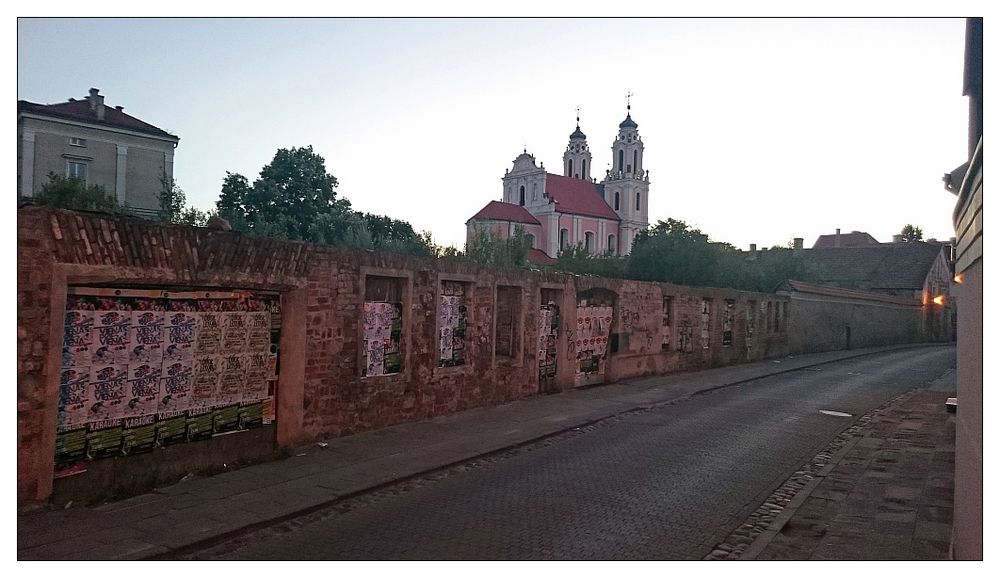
x=576 y=159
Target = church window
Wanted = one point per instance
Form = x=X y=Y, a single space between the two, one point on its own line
x=563 y=238
x=534 y=191
x=522 y=196
x=569 y=173
x=583 y=168
x=588 y=241
x=635 y=159
x=617 y=197
x=611 y=244
x=637 y=199
x=621 y=159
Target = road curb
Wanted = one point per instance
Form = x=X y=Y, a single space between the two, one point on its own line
x=762 y=541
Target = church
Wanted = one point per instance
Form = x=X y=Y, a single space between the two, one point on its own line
x=559 y=211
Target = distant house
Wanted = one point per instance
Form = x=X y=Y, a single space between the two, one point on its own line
x=913 y=269
x=98 y=144
x=573 y=209
x=849 y=240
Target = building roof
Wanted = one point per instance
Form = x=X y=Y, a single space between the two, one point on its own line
x=79 y=110
x=578 y=133
x=578 y=197
x=800 y=287
x=499 y=211
x=876 y=267
x=539 y=257
x=628 y=122
x=847 y=240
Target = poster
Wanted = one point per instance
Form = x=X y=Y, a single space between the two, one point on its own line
x=75 y=397
x=234 y=331
x=107 y=382
x=138 y=435
x=199 y=424
x=171 y=428
x=381 y=333
x=204 y=390
x=111 y=336
x=258 y=324
x=226 y=419
x=180 y=336
x=231 y=379
x=251 y=415
x=146 y=337
x=104 y=439
x=71 y=446
x=208 y=334
x=255 y=381
x=143 y=391
x=176 y=384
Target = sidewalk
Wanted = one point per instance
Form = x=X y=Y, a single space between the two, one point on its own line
x=203 y=510
x=886 y=495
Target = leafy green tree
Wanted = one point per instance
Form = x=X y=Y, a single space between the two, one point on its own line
x=486 y=249
x=388 y=234
x=173 y=205
x=71 y=193
x=911 y=234
x=674 y=252
x=288 y=196
x=577 y=259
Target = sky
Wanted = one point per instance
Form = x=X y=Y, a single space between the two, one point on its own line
x=756 y=130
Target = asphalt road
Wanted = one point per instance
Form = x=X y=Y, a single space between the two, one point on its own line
x=667 y=483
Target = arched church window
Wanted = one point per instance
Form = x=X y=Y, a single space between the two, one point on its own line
x=583 y=168
x=616 y=200
x=563 y=238
x=621 y=160
x=637 y=201
x=522 y=196
x=635 y=159
x=611 y=244
x=588 y=241
x=569 y=173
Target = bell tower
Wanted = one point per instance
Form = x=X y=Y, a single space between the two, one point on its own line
x=576 y=159
x=626 y=186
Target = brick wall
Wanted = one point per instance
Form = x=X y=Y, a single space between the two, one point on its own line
x=321 y=392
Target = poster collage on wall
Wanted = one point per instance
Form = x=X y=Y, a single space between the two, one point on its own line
x=145 y=369
x=548 y=335
x=593 y=328
x=452 y=324
x=382 y=334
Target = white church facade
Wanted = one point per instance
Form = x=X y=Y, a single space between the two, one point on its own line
x=570 y=209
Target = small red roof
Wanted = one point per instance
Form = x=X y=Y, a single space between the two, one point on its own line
x=578 y=197
x=80 y=110
x=539 y=257
x=498 y=211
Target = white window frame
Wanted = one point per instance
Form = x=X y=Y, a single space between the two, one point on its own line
x=69 y=169
x=75 y=141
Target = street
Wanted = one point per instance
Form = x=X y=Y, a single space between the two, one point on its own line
x=664 y=483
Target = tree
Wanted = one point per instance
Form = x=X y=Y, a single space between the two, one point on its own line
x=674 y=252
x=388 y=234
x=911 y=234
x=486 y=249
x=173 y=205
x=288 y=196
x=577 y=259
x=71 y=193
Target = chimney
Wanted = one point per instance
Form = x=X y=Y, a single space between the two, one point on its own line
x=797 y=243
x=897 y=238
x=96 y=103
x=753 y=252
x=836 y=241
x=119 y=108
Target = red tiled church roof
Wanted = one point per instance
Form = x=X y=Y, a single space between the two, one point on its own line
x=539 y=257
x=498 y=211
x=80 y=110
x=577 y=197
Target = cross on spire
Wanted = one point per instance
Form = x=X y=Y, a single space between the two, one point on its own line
x=577 y=116
x=628 y=101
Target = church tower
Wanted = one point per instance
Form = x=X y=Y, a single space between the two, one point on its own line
x=626 y=185
x=576 y=159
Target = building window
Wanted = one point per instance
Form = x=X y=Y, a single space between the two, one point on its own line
x=621 y=159
x=508 y=323
x=77 y=142
x=569 y=169
x=611 y=244
x=522 y=196
x=76 y=170
x=635 y=159
x=588 y=241
x=563 y=238
x=382 y=326
x=453 y=323
x=583 y=168
x=637 y=201
x=617 y=200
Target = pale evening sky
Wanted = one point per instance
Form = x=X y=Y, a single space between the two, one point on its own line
x=756 y=130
